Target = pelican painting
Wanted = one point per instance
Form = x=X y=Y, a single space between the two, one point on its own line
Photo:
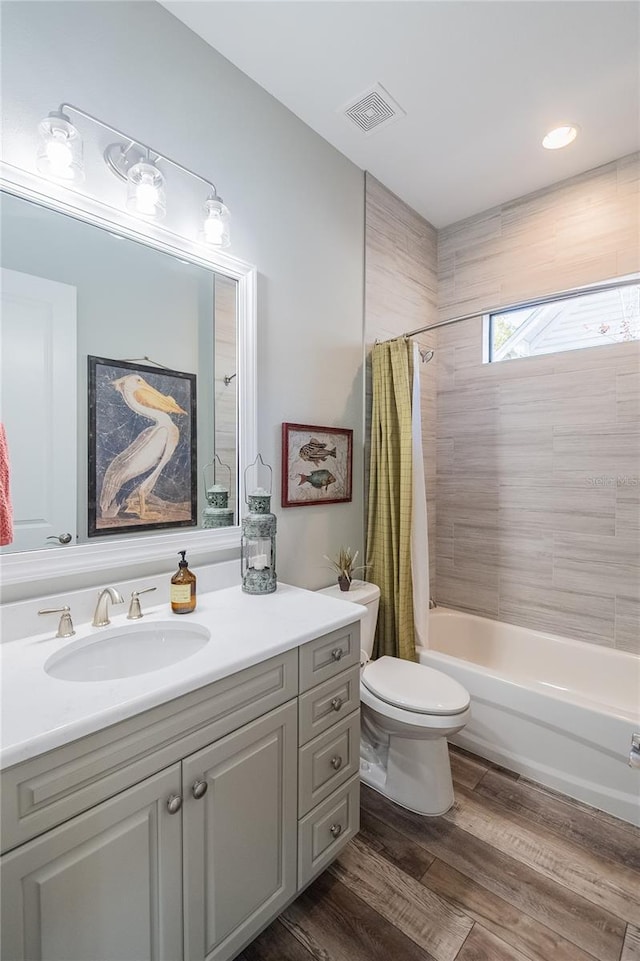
x=143 y=451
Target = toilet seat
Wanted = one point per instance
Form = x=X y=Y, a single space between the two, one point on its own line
x=414 y=687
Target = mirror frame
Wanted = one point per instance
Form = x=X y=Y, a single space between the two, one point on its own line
x=123 y=555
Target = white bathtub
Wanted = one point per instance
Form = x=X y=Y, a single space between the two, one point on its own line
x=559 y=711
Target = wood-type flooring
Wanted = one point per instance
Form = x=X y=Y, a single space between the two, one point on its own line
x=512 y=872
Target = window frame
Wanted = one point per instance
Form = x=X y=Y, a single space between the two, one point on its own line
x=488 y=317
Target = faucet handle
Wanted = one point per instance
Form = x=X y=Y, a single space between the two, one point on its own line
x=65 y=627
x=135 y=611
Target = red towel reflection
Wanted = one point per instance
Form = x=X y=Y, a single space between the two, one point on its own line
x=6 y=510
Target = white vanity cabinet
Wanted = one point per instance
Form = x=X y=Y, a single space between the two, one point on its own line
x=329 y=753
x=240 y=836
x=106 y=884
x=179 y=833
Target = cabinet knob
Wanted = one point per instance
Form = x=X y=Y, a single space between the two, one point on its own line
x=336 y=703
x=174 y=803
x=336 y=762
x=199 y=789
x=336 y=653
x=336 y=830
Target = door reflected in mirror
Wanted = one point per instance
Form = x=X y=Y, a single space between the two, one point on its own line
x=71 y=291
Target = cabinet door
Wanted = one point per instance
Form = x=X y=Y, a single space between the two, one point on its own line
x=105 y=886
x=239 y=836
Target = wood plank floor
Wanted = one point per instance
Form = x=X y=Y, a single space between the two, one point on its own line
x=512 y=872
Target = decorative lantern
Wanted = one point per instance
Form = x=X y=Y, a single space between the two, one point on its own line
x=217 y=513
x=258 y=544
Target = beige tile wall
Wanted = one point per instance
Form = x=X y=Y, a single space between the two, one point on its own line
x=401 y=294
x=577 y=232
x=538 y=460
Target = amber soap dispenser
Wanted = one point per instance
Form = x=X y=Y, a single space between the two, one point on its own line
x=183 y=588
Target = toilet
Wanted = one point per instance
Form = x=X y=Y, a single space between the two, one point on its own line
x=408 y=712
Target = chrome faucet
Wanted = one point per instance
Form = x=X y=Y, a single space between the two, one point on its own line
x=101 y=615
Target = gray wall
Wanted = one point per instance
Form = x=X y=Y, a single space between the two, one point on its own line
x=297 y=206
x=538 y=483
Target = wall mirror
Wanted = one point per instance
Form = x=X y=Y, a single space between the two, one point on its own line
x=127 y=389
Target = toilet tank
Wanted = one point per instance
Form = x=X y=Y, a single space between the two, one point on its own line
x=361 y=592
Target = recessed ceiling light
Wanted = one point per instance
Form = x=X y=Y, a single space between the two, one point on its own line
x=560 y=136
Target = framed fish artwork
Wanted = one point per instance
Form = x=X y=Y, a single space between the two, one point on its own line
x=316 y=465
x=142 y=447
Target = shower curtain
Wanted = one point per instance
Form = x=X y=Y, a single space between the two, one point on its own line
x=396 y=491
x=419 y=525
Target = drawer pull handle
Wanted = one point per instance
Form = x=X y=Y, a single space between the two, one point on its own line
x=336 y=703
x=174 y=803
x=336 y=653
x=336 y=830
x=336 y=762
x=199 y=789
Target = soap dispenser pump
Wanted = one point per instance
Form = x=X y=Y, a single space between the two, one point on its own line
x=183 y=588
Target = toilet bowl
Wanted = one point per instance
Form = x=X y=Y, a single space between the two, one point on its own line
x=408 y=711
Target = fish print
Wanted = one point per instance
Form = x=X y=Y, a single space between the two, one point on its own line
x=317 y=478
x=315 y=451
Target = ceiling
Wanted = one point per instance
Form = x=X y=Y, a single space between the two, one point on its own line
x=481 y=82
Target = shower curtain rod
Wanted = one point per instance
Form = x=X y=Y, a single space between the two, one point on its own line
x=550 y=298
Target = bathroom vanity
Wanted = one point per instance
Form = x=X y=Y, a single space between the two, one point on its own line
x=181 y=830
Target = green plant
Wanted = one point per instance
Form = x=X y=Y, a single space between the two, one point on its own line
x=345 y=563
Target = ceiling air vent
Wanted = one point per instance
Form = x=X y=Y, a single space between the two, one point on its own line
x=373 y=110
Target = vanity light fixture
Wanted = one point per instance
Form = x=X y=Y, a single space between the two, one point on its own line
x=60 y=148
x=145 y=192
x=135 y=163
x=215 y=230
x=560 y=136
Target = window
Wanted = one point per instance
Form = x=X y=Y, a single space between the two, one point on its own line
x=586 y=319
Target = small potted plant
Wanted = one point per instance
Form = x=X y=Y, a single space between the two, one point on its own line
x=345 y=566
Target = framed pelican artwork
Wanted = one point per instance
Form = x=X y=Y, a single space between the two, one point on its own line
x=316 y=465
x=142 y=447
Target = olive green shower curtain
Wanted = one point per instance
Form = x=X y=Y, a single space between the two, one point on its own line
x=390 y=497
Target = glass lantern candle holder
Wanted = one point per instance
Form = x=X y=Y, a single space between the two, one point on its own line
x=217 y=513
x=258 y=543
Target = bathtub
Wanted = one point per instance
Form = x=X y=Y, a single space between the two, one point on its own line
x=558 y=711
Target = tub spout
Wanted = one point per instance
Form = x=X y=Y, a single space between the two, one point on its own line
x=634 y=753
x=432 y=604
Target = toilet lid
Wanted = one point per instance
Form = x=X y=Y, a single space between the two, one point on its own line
x=414 y=687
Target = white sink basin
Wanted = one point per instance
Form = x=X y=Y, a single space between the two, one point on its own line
x=126 y=651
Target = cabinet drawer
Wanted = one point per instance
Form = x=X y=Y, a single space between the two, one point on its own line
x=328 y=761
x=326 y=830
x=47 y=790
x=329 y=655
x=327 y=703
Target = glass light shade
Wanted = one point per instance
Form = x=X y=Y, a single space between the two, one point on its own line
x=145 y=193
x=560 y=137
x=215 y=229
x=60 y=150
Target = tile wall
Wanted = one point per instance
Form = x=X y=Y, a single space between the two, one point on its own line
x=538 y=460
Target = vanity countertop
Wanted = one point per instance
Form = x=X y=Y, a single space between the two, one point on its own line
x=40 y=712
